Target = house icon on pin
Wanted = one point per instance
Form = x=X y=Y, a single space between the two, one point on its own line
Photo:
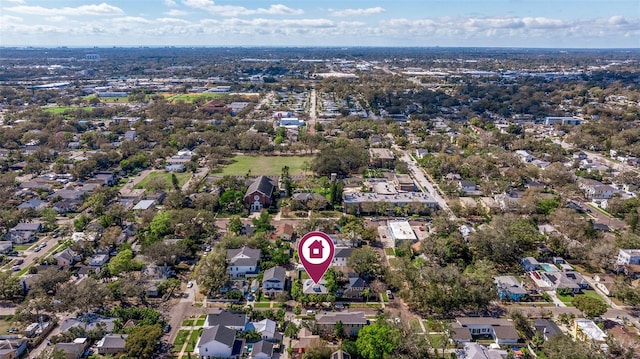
x=315 y=249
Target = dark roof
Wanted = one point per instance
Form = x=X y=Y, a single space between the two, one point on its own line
x=227 y=318
x=219 y=333
x=263 y=185
x=546 y=327
x=343 y=252
x=263 y=347
x=31 y=226
x=461 y=334
x=356 y=282
x=274 y=273
x=345 y=318
x=113 y=341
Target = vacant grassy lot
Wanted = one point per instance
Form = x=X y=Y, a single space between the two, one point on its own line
x=182 y=178
x=194 y=96
x=266 y=165
x=62 y=109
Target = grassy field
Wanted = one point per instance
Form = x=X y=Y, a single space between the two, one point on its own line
x=62 y=109
x=266 y=165
x=194 y=96
x=182 y=178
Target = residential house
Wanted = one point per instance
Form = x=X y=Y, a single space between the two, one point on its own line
x=509 y=200
x=354 y=289
x=525 y=156
x=130 y=135
x=284 y=232
x=628 y=257
x=259 y=194
x=24 y=232
x=73 y=350
x=596 y=190
x=267 y=329
x=111 y=344
x=467 y=186
x=421 y=152
x=306 y=339
x=98 y=260
x=86 y=271
x=71 y=194
x=351 y=322
x=530 y=264
x=262 y=350
x=501 y=330
x=381 y=157
x=13 y=348
x=33 y=204
x=65 y=206
x=6 y=246
x=606 y=283
x=341 y=255
x=232 y=320
x=474 y=350
x=66 y=258
x=546 y=328
x=572 y=281
x=310 y=287
x=243 y=262
x=509 y=288
x=218 y=342
x=587 y=331
x=274 y=281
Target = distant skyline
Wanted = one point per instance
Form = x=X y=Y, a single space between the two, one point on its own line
x=452 y=23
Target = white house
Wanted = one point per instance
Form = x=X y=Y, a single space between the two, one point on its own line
x=525 y=156
x=628 y=257
x=243 y=262
x=341 y=255
x=216 y=342
x=273 y=281
x=267 y=329
x=596 y=190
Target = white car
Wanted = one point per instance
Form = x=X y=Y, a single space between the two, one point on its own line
x=190 y=284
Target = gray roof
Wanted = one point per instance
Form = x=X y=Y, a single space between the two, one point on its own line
x=277 y=273
x=263 y=347
x=219 y=333
x=546 y=327
x=343 y=252
x=345 y=318
x=31 y=226
x=114 y=341
x=506 y=332
x=240 y=256
x=262 y=184
x=227 y=318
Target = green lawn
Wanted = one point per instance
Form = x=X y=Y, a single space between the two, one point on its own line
x=414 y=323
x=262 y=305
x=593 y=294
x=200 y=322
x=182 y=178
x=567 y=299
x=62 y=109
x=266 y=165
x=194 y=96
x=180 y=339
x=193 y=339
x=187 y=323
x=390 y=251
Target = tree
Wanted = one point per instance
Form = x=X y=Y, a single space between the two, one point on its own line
x=263 y=222
x=235 y=225
x=211 y=272
x=159 y=226
x=366 y=262
x=123 y=262
x=591 y=307
x=564 y=347
x=142 y=341
x=10 y=287
x=377 y=340
x=338 y=330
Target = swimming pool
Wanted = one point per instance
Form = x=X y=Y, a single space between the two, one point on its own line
x=549 y=267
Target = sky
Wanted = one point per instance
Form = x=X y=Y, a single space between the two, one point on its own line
x=396 y=23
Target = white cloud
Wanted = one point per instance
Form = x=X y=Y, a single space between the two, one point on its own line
x=174 y=12
x=170 y=3
x=231 y=10
x=7 y=19
x=356 y=12
x=16 y=1
x=83 y=10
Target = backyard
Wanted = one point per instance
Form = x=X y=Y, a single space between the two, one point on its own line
x=164 y=179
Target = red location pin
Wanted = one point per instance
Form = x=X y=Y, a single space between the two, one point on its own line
x=316 y=254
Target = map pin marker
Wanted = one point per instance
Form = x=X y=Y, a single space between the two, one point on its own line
x=316 y=252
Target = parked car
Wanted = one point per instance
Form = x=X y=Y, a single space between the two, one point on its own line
x=190 y=284
x=389 y=294
x=167 y=328
x=15 y=268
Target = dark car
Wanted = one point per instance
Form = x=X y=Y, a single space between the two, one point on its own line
x=167 y=328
